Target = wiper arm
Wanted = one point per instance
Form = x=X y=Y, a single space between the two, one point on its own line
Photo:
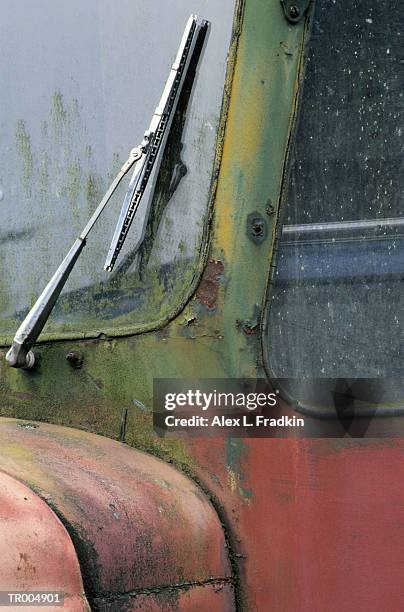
x=143 y=157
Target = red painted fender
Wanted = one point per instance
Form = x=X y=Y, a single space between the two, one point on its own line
x=143 y=531
x=36 y=551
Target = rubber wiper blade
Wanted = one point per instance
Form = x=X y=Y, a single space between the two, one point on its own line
x=155 y=137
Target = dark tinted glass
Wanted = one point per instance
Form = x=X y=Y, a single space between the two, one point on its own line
x=335 y=308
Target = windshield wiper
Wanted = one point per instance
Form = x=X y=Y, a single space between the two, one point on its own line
x=144 y=158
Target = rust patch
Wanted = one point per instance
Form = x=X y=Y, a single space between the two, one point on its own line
x=248 y=328
x=208 y=290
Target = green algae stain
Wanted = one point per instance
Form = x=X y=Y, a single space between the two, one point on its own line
x=236 y=449
x=23 y=144
x=168 y=222
x=58 y=110
x=115 y=167
x=60 y=174
x=44 y=129
x=4 y=294
x=94 y=190
x=43 y=177
x=73 y=187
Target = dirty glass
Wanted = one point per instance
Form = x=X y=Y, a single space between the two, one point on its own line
x=79 y=84
x=335 y=305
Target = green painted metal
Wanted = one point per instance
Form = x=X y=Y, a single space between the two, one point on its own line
x=216 y=333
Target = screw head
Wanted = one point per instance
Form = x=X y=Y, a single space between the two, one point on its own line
x=256 y=227
x=294 y=11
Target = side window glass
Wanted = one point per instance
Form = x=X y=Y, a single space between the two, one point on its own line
x=335 y=306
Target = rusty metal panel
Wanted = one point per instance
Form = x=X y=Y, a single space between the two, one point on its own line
x=316 y=525
x=196 y=598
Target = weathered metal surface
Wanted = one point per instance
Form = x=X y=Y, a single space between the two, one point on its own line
x=136 y=522
x=208 y=288
x=193 y=598
x=316 y=525
x=36 y=551
x=333 y=525
x=119 y=373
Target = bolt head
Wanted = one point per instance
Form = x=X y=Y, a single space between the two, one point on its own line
x=75 y=359
x=294 y=11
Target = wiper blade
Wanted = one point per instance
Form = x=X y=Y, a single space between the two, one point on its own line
x=154 y=139
x=144 y=159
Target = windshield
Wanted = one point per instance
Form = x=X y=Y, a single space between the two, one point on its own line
x=80 y=82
